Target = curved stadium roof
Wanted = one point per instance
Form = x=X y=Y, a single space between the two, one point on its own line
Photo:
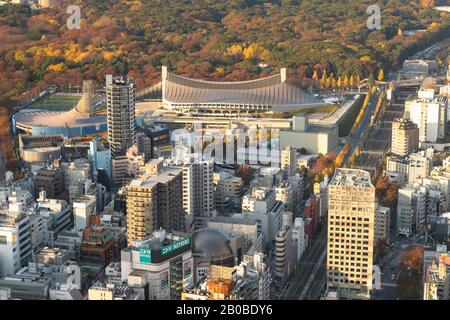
x=271 y=91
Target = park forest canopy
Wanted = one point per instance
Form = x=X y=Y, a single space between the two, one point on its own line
x=209 y=39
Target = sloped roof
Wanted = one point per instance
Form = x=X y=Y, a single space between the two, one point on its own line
x=269 y=91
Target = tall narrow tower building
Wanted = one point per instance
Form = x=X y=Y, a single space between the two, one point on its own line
x=120 y=105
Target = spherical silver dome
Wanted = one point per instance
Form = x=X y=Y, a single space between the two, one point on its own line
x=214 y=244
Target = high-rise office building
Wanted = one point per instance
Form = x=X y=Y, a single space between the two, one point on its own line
x=351 y=205
x=405 y=137
x=155 y=201
x=120 y=106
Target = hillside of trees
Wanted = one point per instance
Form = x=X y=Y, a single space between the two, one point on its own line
x=210 y=39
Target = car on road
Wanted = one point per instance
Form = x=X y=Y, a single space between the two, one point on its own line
x=392 y=277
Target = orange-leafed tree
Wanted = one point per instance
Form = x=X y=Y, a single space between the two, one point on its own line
x=246 y=173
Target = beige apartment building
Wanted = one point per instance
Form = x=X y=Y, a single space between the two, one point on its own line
x=154 y=201
x=405 y=137
x=351 y=224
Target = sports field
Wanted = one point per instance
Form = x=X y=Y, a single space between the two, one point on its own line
x=56 y=103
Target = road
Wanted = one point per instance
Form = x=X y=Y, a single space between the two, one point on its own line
x=363 y=125
x=308 y=264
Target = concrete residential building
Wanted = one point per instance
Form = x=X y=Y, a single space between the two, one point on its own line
x=351 y=203
x=405 y=137
x=440 y=180
x=144 y=145
x=83 y=208
x=57 y=215
x=289 y=161
x=228 y=186
x=120 y=106
x=260 y=204
x=111 y=291
x=198 y=189
x=79 y=169
x=250 y=280
x=299 y=238
x=285 y=257
x=126 y=167
x=97 y=246
x=155 y=201
x=411 y=210
x=101 y=157
x=311 y=215
x=321 y=189
x=413 y=167
x=382 y=224
x=429 y=113
x=290 y=193
x=15 y=241
x=51 y=180
x=51 y=276
x=436 y=279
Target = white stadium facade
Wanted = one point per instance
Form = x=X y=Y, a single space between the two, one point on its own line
x=217 y=98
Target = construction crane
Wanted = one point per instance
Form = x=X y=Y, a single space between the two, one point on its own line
x=77 y=154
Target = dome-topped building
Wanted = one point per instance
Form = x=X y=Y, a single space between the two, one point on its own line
x=213 y=244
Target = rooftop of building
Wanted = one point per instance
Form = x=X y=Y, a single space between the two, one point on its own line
x=158 y=240
x=351 y=178
x=259 y=193
x=242 y=219
x=9 y=219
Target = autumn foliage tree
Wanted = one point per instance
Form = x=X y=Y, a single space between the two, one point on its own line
x=246 y=173
x=381 y=75
x=409 y=282
x=387 y=192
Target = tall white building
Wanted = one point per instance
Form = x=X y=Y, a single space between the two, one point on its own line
x=429 y=112
x=15 y=241
x=198 y=191
x=299 y=237
x=256 y=263
x=260 y=204
x=83 y=208
x=411 y=210
x=57 y=216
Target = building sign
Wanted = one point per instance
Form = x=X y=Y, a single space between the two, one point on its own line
x=187 y=274
x=175 y=245
x=165 y=280
x=145 y=255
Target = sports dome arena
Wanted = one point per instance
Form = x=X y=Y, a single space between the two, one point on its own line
x=80 y=119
